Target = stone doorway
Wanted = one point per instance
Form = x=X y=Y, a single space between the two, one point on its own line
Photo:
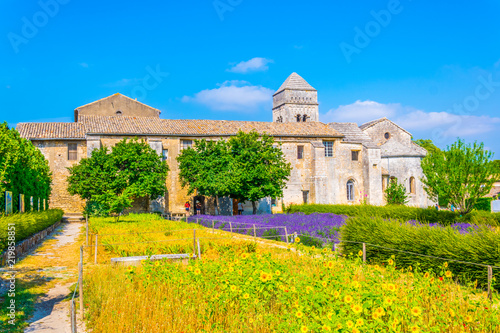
x=201 y=201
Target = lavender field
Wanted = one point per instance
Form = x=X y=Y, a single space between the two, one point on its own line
x=318 y=228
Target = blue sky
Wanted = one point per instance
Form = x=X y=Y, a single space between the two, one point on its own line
x=434 y=67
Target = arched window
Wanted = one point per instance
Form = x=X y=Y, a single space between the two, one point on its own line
x=413 y=189
x=387 y=135
x=304 y=118
x=119 y=113
x=350 y=190
x=298 y=118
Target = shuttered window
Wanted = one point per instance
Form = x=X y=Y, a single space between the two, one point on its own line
x=72 y=151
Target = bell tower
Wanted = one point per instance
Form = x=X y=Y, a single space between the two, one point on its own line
x=295 y=101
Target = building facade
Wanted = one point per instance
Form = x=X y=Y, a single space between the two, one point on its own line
x=336 y=163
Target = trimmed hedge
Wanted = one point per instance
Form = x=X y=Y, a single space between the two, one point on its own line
x=483 y=204
x=481 y=246
x=423 y=215
x=27 y=224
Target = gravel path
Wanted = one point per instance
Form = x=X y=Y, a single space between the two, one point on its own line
x=52 y=310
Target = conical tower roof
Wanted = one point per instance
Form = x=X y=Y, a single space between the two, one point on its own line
x=295 y=82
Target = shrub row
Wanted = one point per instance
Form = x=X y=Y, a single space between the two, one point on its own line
x=423 y=215
x=27 y=224
x=480 y=246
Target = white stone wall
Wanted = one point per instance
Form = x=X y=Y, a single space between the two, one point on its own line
x=403 y=168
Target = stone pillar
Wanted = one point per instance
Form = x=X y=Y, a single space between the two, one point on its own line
x=319 y=174
x=372 y=172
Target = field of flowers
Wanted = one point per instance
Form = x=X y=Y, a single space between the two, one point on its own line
x=321 y=227
x=271 y=290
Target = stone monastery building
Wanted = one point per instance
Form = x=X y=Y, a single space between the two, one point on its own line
x=335 y=163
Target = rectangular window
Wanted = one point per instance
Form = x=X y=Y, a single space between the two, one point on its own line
x=185 y=144
x=328 y=148
x=164 y=155
x=72 y=152
x=355 y=155
x=300 y=152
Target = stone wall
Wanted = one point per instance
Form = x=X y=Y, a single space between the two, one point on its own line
x=56 y=152
x=403 y=168
x=117 y=103
x=378 y=131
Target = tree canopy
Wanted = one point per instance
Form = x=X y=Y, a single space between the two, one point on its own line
x=110 y=181
x=23 y=169
x=463 y=173
x=247 y=167
x=428 y=145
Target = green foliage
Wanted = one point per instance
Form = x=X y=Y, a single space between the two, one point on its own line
x=396 y=193
x=428 y=145
x=483 y=204
x=463 y=174
x=27 y=224
x=246 y=167
x=481 y=246
x=111 y=181
x=23 y=170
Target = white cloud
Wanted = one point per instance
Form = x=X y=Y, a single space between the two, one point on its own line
x=361 y=112
x=252 y=65
x=233 y=96
x=434 y=125
x=448 y=124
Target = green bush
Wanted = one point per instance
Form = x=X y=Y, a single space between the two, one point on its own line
x=481 y=246
x=27 y=224
x=483 y=204
x=24 y=170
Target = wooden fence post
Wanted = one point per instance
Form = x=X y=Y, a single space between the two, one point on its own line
x=213 y=226
x=87 y=229
x=199 y=251
x=194 y=242
x=80 y=283
x=96 y=242
x=286 y=235
x=364 y=252
x=490 y=277
x=231 y=226
x=254 y=233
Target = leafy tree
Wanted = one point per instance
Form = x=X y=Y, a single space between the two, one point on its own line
x=463 y=173
x=428 y=145
x=246 y=167
x=23 y=169
x=110 y=181
x=396 y=193
x=205 y=168
x=259 y=167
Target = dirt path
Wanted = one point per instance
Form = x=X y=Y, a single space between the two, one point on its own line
x=55 y=261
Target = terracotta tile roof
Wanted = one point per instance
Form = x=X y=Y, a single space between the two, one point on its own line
x=122 y=125
x=353 y=134
x=51 y=130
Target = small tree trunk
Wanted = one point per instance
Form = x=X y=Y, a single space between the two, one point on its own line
x=254 y=206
